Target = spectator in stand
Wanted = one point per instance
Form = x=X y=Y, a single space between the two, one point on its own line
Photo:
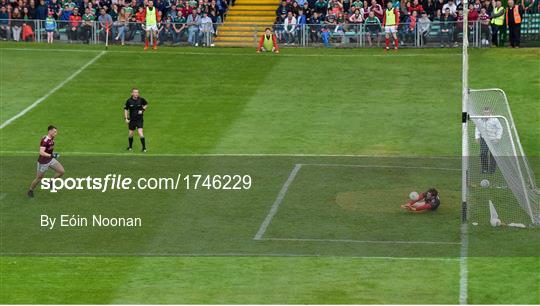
x=278 y=27
x=74 y=25
x=166 y=32
x=87 y=24
x=105 y=23
x=335 y=8
x=268 y=42
x=301 y=22
x=180 y=27
x=56 y=8
x=377 y=9
x=122 y=25
x=514 y=14
x=32 y=9
x=27 y=26
x=193 y=22
x=315 y=27
x=64 y=16
x=283 y=8
x=346 y=5
x=373 y=28
x=447 y=28
x=415 y=7
x=50 y=27
x=484 y=26
x=289 y=28
x=473 y=14
x=459 y=27
x=4 y=23
x=294 y=8
x=529 y=6
x=439 y=5
x=207 y=30
x=497 y=21
x=307 y=11
x=424 y=27
x=356 y=19
x=16 y=24
x=429 y=8
x=451 y=6
x=408 y=29
x=321 y=7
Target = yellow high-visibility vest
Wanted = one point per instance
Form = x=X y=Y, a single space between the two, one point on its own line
x=390 y=17
x=151 y=16
x=498 y=20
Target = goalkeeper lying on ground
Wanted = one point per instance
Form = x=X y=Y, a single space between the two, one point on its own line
x=428 y=200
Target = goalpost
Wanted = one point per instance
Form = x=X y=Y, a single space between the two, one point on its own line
x=494 y=166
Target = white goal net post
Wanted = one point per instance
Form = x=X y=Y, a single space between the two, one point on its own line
x=496 y=167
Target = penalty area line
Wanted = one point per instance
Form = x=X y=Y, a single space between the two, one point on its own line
x=277 y=202
x=359 y=241
x=383 y=166
x=235 y=155
x=240 y=54
x=114 y=254
x=52 y=91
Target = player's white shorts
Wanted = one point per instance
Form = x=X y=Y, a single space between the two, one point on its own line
x=390 y=29
x=41 y=168
x=151 y=27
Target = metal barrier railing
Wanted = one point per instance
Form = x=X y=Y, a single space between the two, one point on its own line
x=420 y=34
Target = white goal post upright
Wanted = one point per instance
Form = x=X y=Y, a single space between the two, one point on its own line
x=464 y=115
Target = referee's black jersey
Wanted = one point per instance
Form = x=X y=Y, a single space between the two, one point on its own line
x=134 y=106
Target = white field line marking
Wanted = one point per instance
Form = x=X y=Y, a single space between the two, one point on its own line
x=231 y=155
x=38 y=101
x=382 y=166
x=87 y=254
x=463 y=270
x=360 y=241
x=241 y=54
x=277 y=202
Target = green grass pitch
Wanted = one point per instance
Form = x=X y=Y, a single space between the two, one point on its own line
x=366 y=127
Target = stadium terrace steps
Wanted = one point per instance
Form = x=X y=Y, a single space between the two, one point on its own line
x=245 y=22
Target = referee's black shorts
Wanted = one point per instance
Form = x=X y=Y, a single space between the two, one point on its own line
x=135 y=124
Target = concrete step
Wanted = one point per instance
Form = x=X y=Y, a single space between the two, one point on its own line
x=246 y=39
x=235 y=44
x=255 y=7
x=252 y=19
x=238 y=33
x=257 y=2
x=239 y=28
x=255 y=13
x=252 y=24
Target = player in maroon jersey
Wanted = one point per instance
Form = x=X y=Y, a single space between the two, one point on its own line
x=46 y=159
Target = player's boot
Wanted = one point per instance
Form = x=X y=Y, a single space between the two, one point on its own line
x=129 y=149
x=154 y=47
x=30 y=193
x=145 y=48
x=144 y=150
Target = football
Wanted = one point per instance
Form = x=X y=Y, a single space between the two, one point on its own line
x=413 y=195
x=484 y=183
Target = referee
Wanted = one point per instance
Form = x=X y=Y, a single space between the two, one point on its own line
x=133 y=114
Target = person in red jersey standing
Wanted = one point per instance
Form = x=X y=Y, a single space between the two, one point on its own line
x=47 y=159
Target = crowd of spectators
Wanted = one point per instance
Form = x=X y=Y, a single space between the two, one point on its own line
x=179 y=20
x=322 y=20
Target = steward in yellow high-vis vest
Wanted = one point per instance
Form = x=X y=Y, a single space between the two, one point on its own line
x=497 y=22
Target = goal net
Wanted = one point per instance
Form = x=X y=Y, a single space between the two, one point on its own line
x=498 y=170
